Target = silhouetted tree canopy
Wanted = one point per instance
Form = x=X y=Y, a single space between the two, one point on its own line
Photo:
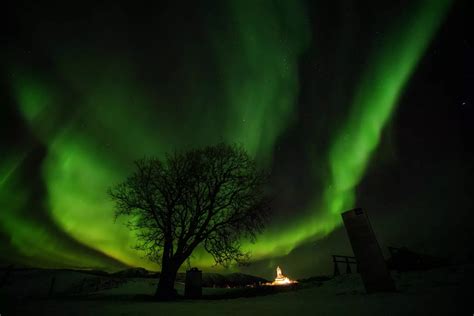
x=212 y=197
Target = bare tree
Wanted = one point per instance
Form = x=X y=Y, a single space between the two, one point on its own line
x=213 y=197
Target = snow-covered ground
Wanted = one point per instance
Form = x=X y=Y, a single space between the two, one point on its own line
x=445 y=291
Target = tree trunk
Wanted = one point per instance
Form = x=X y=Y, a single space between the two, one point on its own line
x=165 y=289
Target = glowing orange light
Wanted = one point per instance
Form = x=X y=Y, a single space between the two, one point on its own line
x=281 y=279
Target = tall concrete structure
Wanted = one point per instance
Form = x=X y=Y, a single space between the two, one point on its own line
x=370 y=260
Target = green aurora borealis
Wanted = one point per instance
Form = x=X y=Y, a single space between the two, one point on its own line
x=96 y=108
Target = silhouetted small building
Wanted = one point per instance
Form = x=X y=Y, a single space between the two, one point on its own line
x=404 y=259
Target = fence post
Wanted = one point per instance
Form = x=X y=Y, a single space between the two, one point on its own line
x=336 y=268
x=97 y=285
x=6 y=275
x=51 y=287
x=348 y=266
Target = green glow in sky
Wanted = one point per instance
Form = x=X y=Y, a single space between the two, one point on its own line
x=100 y=116
x=376 y=97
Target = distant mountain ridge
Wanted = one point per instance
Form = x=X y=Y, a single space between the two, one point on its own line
x=208 y=279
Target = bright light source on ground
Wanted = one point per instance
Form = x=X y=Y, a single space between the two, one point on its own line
x=281 y=279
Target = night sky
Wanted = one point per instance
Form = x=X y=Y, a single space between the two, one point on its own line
x=348 y=103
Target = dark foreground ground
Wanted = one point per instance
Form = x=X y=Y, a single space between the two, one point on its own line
x=444 y=291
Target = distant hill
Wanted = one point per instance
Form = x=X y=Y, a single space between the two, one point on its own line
x=209 y=279
x=230 y=280
x=136 y=273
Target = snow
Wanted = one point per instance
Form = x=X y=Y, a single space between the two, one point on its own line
x=443 y=291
